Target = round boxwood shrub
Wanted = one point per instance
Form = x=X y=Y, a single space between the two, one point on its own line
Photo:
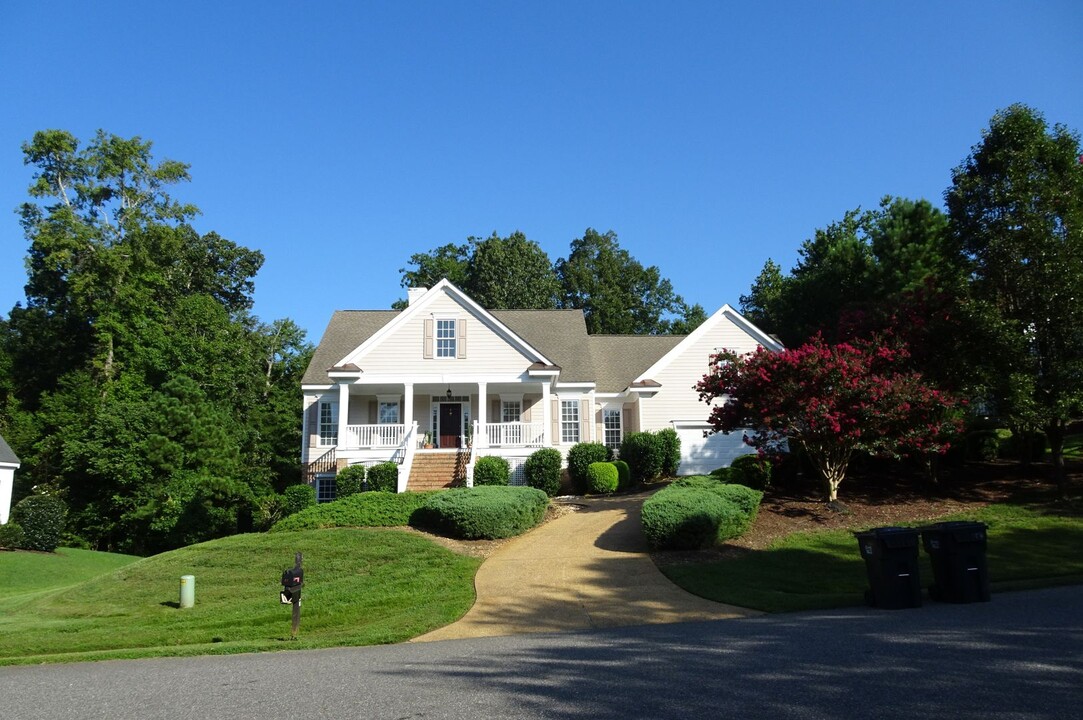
x=670 y=443
x=624 y=475
x=487 y=512
x=751 y=471
x=685 y=518
x=11 y=536
x=542 y=470
x=384 y=477
x=349 y=481
x=602 y=478
x=42 y=519
x=580 y=457
x=723 y=474
x=491 y=470
x=296 y=498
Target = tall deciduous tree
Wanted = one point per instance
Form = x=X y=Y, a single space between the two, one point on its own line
x=832 y=400
x=125 y=301
x=511 y=273
x=1016 y=208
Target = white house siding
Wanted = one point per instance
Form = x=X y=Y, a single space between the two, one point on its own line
x=700 y=455
x=400 y=354
x=676 y=400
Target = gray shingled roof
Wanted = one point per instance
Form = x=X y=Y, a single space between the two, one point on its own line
x=7 y=455
x=611 y=361
x=347 y=330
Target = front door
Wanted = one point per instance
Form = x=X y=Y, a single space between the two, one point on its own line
x=451 y=425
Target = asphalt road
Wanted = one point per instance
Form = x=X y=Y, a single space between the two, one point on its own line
x=1019 y=657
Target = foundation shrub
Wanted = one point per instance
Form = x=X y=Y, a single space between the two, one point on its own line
x=384 y=477
x=350 y=481
x=670 y=443
x=751 y=471
x=645 y=455
x=483 y=513
x=602 y=478
x=491 y=470
x=11 y=536
x=579 y=459
x=624 y=475
x=542 y=470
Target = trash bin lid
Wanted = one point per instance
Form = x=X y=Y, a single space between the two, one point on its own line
x=897 y=537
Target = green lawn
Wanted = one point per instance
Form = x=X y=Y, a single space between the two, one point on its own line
x=27 y=573
x=362 y=587
x=815 y=570
x=1073 y=447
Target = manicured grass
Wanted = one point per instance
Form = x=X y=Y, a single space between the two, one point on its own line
x=33 y=572
x=362 y=587
x=1073 y=447
x=815 y=570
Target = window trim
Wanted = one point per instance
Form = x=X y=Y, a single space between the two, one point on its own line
x=567 y=425
x=327 y=428
x=606 y=429
x=450 y=348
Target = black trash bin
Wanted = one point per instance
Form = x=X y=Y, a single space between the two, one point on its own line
x=957 y=553
x=891 y=559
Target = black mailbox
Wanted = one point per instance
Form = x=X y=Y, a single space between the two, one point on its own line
x=292 y=581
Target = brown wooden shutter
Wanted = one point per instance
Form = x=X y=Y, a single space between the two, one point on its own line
x=556 y=421
x=461 y=339
x=495 y=414
x=427 y=344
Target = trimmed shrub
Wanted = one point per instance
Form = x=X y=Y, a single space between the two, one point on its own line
x=42 y=519
x=751 y=471
x=370 y=509
x=602 y=478
x=491 y=470
x=542 y=470
x=349 y=481
x=645 y=455
x=580 y=457
x=671 y=451
x=487 y=512
x=296 y=498
x=11 y=536
x=624 y=475
x=698 y=511
x=384 y=477
x=723 y=474
x=983 y=445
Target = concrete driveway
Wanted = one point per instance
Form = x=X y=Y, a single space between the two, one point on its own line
x=587 y=569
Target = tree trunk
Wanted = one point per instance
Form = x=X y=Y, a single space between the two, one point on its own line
x=832 y=467
x=1055 y=432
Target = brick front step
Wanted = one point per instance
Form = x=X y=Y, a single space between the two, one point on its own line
x=436 y=471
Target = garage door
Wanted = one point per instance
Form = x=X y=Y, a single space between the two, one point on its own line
x=703 y=451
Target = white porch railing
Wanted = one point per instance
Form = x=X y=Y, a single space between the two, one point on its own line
x=514 y=434
x=369 y=436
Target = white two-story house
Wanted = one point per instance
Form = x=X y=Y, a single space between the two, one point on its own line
x=445 y=381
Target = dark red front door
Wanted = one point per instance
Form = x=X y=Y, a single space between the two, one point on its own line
x=451 y=425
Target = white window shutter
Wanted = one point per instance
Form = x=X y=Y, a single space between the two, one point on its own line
x=427 y=349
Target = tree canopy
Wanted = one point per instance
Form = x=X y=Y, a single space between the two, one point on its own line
x=136 y=353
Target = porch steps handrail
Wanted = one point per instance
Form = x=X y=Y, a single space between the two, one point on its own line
x=324 y=464
x=408 y=449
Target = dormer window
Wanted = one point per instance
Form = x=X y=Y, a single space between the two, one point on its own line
x=445 y=337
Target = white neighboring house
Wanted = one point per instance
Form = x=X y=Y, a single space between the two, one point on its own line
x=444 y=381
x=9 y=463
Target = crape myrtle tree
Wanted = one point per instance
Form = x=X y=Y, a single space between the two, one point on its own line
x=130 y=314
x=832 y=400
x=1016 y=209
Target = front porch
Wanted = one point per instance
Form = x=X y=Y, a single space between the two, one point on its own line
x=393 y=436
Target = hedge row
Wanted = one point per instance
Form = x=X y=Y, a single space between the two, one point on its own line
x=486 y=512
x=697 y=512
x=370 y=509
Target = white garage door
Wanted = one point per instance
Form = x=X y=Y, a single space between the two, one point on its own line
x=703 y=451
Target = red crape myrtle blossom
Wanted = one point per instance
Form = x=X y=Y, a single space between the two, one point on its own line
x=832 y=400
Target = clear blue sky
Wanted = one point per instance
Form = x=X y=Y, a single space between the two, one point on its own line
x=340 y=138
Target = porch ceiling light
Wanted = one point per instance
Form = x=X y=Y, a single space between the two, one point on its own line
x=448 y=392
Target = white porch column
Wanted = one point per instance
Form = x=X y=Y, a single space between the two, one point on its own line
x=408 y=405
x=343 y=412
x=483 y=406
x=547 y=416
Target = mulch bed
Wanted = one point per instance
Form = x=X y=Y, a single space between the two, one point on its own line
x=871 y=500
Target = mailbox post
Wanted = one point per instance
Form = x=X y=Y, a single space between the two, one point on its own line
x=292 y=582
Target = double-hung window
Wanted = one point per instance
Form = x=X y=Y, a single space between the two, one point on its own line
x=388 y=413
x=328 y=430
x=611 y=421
x=446 y=339
x=511 y=410
x=569 y=421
